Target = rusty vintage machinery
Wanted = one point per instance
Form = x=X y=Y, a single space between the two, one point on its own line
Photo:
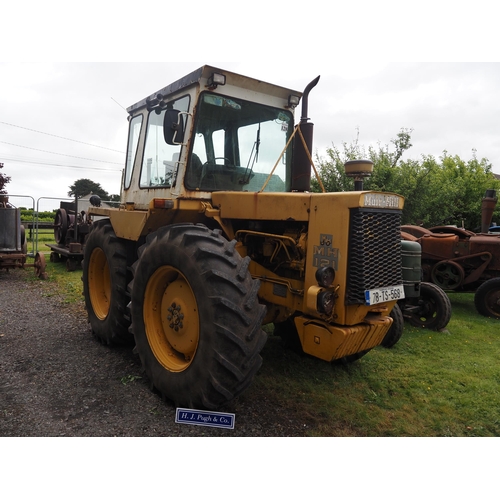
x=71 y=228
x=458 y=260
x=13 y=244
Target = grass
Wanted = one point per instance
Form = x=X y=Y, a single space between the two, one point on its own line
x=68 y=285
x=429 y=384
x=45 y=237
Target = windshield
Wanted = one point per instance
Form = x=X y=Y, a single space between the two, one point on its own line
x=237 y=144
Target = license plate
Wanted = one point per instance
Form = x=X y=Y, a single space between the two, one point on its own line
x=379 y=295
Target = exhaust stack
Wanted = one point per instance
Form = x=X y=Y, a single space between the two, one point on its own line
x=487 y=207
x=301 y=165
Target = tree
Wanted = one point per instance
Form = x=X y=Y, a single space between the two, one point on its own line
x=4 y=179
x=332 y=171
x=444 y=191
x=114 y=198
x=82 y=187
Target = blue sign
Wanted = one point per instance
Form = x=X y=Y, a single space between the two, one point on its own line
x=205 y=418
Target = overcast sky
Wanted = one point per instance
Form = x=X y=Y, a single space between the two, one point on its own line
x=60 y=122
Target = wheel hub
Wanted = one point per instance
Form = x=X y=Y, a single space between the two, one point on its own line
x=178 y=314
x=175 y=317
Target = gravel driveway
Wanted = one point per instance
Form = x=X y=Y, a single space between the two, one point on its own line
x=57 y=380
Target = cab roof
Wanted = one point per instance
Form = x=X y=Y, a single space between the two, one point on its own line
x=202 y=74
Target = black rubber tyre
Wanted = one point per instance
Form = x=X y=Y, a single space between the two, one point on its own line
x=434 y=308
x=24 y=242
x=105 y=280
x=395 y=332
x=72 y=264
x=487 y=298
x=60 y=226
x=195 y=315
x=55 y=257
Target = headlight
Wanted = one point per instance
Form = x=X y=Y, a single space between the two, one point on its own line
x=326 y=302
x=325 y=276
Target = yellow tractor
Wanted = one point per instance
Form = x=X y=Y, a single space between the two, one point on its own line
x=218 y=234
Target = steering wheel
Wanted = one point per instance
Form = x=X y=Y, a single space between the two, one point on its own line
x=227 y=162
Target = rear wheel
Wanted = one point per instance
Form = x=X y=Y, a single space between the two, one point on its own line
x=434 y=308
x=105 y=281
x=195 y=316
x=487 y=298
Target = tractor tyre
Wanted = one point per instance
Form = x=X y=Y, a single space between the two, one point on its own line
x=434 y=308
x=396 y=330
x=24 y=242
x=105 y=280
x=195 y=315
x=487 y=298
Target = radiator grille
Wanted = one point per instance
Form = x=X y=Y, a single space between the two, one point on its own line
x=374 y=252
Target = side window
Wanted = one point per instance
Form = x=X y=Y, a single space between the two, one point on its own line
x=133 y=141
x=160 y=160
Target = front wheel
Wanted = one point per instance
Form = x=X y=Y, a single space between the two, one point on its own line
x=395 y=332
x=487 y=298
x=195 y=316
x=433 y=309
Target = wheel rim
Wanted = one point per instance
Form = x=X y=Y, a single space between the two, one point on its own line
x=427 y=315
x=99 y=282
x=40 y=266
x=171 y=319
x=492 y=302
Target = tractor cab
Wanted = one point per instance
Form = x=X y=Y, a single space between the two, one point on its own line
x=211 y=131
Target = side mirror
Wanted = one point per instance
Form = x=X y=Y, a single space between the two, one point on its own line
x=173 y=127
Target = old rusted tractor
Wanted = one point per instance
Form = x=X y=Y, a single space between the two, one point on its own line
x=70 y=231
x=458 y=260
x=13 y=244
x=425 y=304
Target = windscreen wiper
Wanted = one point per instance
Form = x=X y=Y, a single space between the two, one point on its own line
x=255 y=155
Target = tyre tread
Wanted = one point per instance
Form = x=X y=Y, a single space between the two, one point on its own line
x=231 y=295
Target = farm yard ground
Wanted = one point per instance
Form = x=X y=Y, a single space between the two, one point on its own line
x=57 y=380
